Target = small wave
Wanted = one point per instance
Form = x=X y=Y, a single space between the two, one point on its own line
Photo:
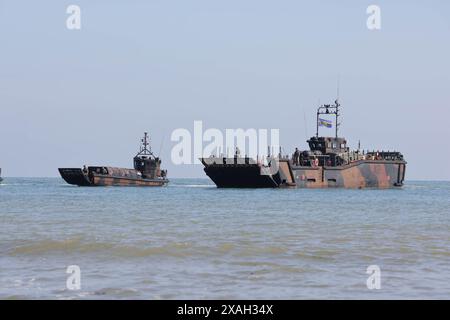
x=415 y=187
x=172 y=249
x=80 y=246
x=325 y=255
x=267 y=267
x=48 y=246
x=193 y=185
x=250 y=251
x=115 y=292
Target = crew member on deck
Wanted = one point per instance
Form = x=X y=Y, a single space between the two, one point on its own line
x=296 y=157
x=315 y=162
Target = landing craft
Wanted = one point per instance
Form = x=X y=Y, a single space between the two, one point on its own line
x=328 y=163
x=146 y=172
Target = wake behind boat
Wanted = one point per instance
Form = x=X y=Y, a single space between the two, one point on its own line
x=146 y=172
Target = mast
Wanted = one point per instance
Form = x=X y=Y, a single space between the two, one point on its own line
x=145 y=147
x=328 y=109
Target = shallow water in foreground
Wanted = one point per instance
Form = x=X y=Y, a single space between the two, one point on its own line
x=191 y=240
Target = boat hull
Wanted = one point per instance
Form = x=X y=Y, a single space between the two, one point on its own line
x=359 y=174
x=76 y=176
x=239 y=177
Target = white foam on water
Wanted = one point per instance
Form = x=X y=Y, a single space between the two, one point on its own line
x=193 y=185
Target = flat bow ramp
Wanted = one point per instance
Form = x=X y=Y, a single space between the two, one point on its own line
x=74 y=176
x=247 y=173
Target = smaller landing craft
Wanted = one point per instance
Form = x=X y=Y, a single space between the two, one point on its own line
x=146 y=172
x=1 y=179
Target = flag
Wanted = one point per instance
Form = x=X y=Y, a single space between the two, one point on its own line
x=325 y=123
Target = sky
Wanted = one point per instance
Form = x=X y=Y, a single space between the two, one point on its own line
x=74 y=97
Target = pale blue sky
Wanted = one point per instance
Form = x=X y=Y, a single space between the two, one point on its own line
x=74 y=97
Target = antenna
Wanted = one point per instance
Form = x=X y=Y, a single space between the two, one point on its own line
x=337 y=102
x=338 y=86
x=146 y=143
x=161 y=145
x=306 y=126
x=317 y=120
x=336 y=106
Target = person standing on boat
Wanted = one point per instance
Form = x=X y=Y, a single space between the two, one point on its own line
x=296 y=157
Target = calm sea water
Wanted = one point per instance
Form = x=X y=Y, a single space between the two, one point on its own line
x=191 y=240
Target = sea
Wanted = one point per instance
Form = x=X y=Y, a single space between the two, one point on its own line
x=191 y=240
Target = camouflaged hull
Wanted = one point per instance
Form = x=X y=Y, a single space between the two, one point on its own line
x=358 y=174
x=113 y=177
